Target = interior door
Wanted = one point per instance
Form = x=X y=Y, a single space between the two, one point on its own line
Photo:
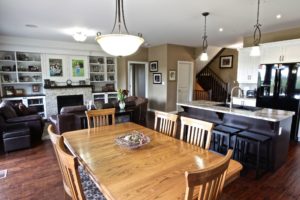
x=184 y=82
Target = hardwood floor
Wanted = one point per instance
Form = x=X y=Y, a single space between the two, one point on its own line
x=34 y=174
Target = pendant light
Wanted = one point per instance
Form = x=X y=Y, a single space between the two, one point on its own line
x=204 y=56
x=119 y=42
x=255 y=51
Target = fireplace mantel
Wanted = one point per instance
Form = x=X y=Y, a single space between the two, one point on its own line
x=66 y=86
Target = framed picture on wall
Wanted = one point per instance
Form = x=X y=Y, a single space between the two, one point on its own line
x=153 y=66
x=172 y=75
x=55 y=67
x=35 y=88
x=226 y=61
x=78 y=68
x=157 y=79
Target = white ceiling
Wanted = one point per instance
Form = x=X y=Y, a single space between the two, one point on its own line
x=160 y=21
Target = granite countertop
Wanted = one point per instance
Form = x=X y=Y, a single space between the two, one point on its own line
x=264 y=114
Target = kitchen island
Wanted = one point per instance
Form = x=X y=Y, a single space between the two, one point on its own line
x=271 y=122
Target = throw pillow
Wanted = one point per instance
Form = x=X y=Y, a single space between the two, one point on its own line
x=8 y=110
x=23 y=109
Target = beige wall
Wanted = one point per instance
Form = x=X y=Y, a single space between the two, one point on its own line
x=230 y=74
x=141 y=55
x=176 y=53
x=157 y=93
x=274 y=36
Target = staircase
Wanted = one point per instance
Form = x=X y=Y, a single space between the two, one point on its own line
x=210 y=81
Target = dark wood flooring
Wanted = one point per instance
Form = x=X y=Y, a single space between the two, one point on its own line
x=34 y=174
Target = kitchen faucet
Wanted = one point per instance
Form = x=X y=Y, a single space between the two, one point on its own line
x=231 y=95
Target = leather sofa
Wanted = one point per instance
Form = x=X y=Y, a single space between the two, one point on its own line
x=11 y=116
x=69 y=117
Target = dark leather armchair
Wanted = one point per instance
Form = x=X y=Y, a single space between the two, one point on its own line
x=9 y=117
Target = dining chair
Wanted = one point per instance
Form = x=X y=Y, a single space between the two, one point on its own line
x=69 y=165
x=101 y=117
x=54 y=139
x=210 y=180
x=198 y=132
x=167 y=123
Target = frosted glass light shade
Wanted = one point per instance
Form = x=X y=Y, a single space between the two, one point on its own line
x=204 y=56
x=119 y=44
x=255 y=51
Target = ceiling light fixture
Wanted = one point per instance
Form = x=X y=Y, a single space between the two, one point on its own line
x=79 y=36
x=278 y=16
x=119 y=42
x=204 y=56
x=221 y=29
x=255 y=51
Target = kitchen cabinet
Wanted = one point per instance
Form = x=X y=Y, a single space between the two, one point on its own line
x=247 y=67
x=280 y=52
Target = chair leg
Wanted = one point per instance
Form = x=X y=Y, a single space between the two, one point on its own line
x=257 y=160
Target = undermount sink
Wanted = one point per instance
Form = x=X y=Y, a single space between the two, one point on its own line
x=249 y=108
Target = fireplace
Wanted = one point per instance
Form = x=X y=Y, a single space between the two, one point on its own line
x=69 y=100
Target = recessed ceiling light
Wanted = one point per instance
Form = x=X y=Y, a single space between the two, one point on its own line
x=221 y=29
x=31 y=25
x=278 y=16
x=79 y=36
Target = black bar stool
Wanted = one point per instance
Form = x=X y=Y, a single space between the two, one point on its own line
x=222 y=137
x=242 y=147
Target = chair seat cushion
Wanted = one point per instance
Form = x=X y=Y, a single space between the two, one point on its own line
x=226 y=129
x=90 y=189
x=254 y=136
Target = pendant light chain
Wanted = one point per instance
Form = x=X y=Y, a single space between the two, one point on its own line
x=205 y=43
x=257 y=31
x=119 y=18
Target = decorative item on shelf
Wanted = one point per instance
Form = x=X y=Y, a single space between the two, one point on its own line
x=25 y=79
x=82 y=82
x=226 y=61
x=36 y=78
x=204 y=56
x=22 y=57
x=6 y=68
x=35 y=88
x=132 y=140
x=7 y=57
x=110 y=87
x=119 y=42
x=5 y=78
x=122 y=94
x=100 y=60
x=8 y=90
x=33 y=68
x=52 y=83
x=96 y=68
x=19 y=92
x=69 y=82
x=157 y=79
x=172 y=75
x=47 y=83
x=255 y=51
x=22 y=69
x=153 y=66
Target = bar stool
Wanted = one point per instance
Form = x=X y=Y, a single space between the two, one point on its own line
x=241 y=148
x=221 y=134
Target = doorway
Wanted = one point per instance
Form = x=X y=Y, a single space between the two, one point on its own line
x=185 y=82
x=138 y=78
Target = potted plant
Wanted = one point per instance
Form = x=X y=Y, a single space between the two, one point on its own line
x=122 y=94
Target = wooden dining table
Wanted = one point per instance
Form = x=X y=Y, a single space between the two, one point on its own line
x=153 y=171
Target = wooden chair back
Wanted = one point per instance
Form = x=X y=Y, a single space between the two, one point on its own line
x=167 y=124
x=54 y=139
x=69 y=165
x=210 y=180
x=198 y=132
x=96 y=118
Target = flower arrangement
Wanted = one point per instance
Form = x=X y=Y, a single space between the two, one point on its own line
x=122 y=94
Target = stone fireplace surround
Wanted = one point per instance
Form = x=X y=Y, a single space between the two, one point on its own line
x=52 y=93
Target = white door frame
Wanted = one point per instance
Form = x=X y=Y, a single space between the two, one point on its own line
x=191 y=83
x=129 y=76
